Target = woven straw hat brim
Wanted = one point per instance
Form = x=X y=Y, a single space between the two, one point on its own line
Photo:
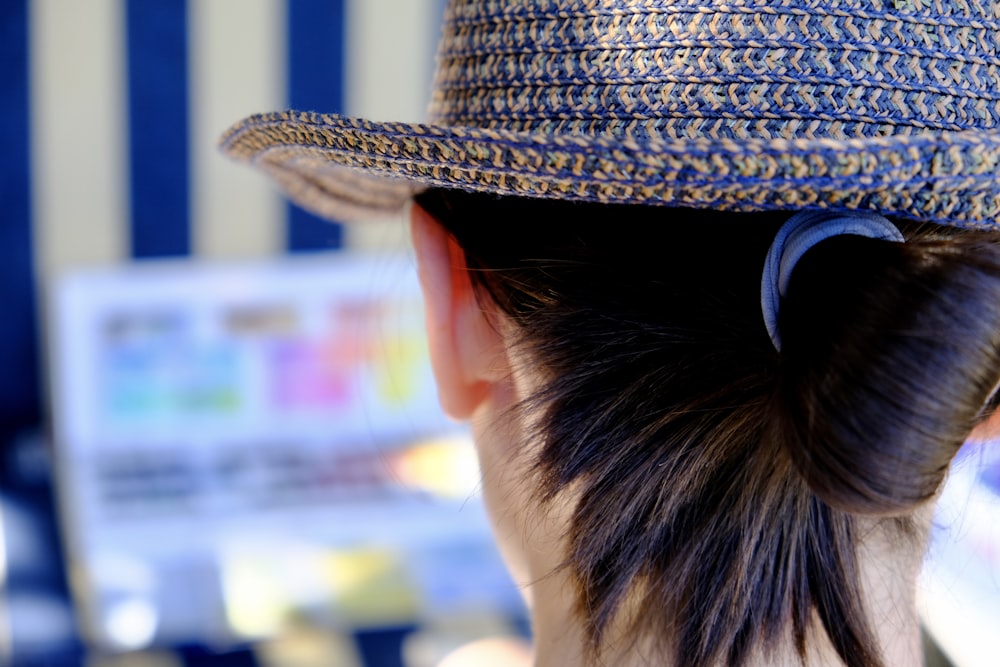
x=350 y=169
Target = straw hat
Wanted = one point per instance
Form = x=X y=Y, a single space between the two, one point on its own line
x=732 y=104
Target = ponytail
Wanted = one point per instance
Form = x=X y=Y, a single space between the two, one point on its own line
x=890 y=353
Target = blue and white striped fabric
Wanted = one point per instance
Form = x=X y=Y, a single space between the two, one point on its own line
x=109 y=114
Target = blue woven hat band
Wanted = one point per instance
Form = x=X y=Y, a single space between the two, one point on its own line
x=890 y=106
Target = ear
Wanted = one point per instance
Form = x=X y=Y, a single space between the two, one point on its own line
x=987 y=430
x=467 y=352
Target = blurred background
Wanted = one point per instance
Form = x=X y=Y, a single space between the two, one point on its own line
x=219 y=437
x=219 y=440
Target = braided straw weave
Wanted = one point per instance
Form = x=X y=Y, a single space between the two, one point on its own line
x=734 y=104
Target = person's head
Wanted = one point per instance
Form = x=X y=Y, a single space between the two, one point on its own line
x=692 y=458
x=709 y=492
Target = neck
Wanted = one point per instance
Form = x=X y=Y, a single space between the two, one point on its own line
x=888 y=586
x=533 y=543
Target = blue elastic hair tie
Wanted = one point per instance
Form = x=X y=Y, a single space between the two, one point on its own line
x=800 y=233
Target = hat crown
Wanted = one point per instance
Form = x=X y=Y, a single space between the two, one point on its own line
x=679 y=69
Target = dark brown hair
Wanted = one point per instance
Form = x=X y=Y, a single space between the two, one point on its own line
x=697 y=449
